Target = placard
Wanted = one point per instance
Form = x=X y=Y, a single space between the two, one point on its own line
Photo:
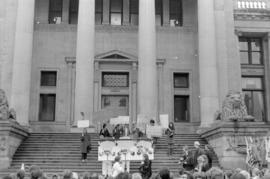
x=164 y=120
x=154 y=131
x=119 y=120
x=83 y=123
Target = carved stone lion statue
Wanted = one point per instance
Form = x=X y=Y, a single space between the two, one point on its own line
x=234 y=108
x=4 y=111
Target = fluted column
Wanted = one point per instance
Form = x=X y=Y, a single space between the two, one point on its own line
x=85 y=60
x=147 y=77
x=21 y=78
x=207 y=62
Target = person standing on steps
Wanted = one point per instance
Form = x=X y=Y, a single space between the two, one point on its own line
x=85 y=144
x=146 y=167
x=170 y=134
x=104 y=132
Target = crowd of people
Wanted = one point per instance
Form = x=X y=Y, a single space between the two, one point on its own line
x=145 y=172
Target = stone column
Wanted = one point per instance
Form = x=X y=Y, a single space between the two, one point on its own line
x=166 y=12
x=85 y=60
x=96 y=86
x=106 y=12
x=65 y=12
x=134 y=75
x=71 y=79
x=8 y=15
x=126 y=12
x=21 y=79
x=147 y=77
x=209 y=103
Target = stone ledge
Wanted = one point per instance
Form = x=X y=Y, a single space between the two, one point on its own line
x=228 y=139
x=13 y=128
x=232 y=128
x=11 y=136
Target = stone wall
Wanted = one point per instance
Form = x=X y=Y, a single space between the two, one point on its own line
x=11 y=136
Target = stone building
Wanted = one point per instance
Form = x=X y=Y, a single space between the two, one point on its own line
x=107 y=58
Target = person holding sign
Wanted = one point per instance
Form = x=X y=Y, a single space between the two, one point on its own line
x=170 y=134
x=85 y=144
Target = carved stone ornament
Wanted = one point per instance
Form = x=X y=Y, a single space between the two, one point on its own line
x=3 y=144
x=5 y=113
x=234 y=108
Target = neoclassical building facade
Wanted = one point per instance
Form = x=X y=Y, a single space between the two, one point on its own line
x=106 y=58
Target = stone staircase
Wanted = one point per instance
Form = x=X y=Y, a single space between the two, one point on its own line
x=54 y=152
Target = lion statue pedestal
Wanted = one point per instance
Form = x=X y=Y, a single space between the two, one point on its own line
x=232 y=125
x=11 y=133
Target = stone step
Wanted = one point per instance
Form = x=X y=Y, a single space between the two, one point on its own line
x=55 y=152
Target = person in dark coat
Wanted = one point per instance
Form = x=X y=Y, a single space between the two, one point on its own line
x=146 y=167
x=186 y=159
x=85 y=144
x=196 y=153
x=170 y=134
x=104 y=132
x=209 y=154
x=117 y=132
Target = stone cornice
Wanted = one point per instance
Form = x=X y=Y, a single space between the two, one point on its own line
x=110 y=28
x=247 y=15
x=13 y=128
x=232 y=129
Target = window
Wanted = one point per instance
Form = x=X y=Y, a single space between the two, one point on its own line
x=181 y=80
x=134 y=12
x=47 y=95
x=115 y=79
x=176 y=12
x=55 y=11
x=181 y=108
x=251 y=51
x=48 y=78
x=114 y=101
x=99 y=11
x=73 y=11
x=158 y=7
x=253 y=90
x=116 y=12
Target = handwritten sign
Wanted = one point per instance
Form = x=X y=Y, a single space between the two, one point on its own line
x=153 y=131
x=164 y=120
x=83 y=123
x=119 y=120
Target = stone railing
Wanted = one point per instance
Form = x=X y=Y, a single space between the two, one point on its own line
x=251 y=4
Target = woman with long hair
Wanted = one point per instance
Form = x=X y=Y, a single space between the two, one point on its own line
x=146 y=167
x=170 y=134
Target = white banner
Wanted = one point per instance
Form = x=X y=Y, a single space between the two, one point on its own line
x=128 y=150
